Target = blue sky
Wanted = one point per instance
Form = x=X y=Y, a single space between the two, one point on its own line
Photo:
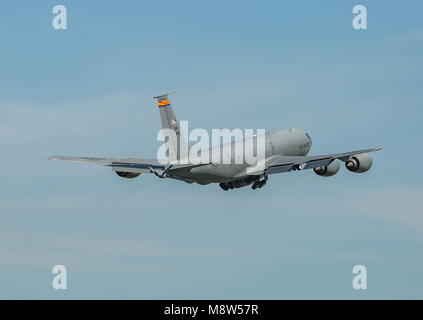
x=238 y=64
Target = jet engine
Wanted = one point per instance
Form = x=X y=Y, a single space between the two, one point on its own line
x=127 y=175
x=329 y=170
x=359 y=163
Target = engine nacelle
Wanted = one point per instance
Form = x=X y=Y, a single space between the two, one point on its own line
x=359 y=163
x=127 y=175
x=330 y=170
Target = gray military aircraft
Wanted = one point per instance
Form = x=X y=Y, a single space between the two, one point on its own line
x=285 y=150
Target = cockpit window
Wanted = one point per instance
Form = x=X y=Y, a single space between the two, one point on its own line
x=308 y=136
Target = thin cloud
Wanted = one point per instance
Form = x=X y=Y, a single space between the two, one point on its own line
x=406 y=38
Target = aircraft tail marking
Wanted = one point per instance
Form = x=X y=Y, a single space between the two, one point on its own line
x=169 y=121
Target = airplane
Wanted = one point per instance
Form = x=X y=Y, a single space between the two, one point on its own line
x=286 y=150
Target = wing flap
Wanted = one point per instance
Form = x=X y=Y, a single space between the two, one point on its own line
x=280 y=168
x=104 y=161
x=317 y=163
x=129 y=164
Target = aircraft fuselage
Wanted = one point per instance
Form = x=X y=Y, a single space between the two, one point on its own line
x=287 y=142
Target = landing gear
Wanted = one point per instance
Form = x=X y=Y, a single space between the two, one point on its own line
x=224 y=186
x=256 y=181
x=256 y=185
x=259 y=183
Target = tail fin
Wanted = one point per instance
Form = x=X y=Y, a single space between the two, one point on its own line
x=179 y=146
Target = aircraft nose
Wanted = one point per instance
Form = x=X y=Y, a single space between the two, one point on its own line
x=303 y=134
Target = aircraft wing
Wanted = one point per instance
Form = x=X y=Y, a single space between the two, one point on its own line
x=281 y=164
x=127 y=164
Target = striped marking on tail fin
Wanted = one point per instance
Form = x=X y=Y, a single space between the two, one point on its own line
x=163 y=103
